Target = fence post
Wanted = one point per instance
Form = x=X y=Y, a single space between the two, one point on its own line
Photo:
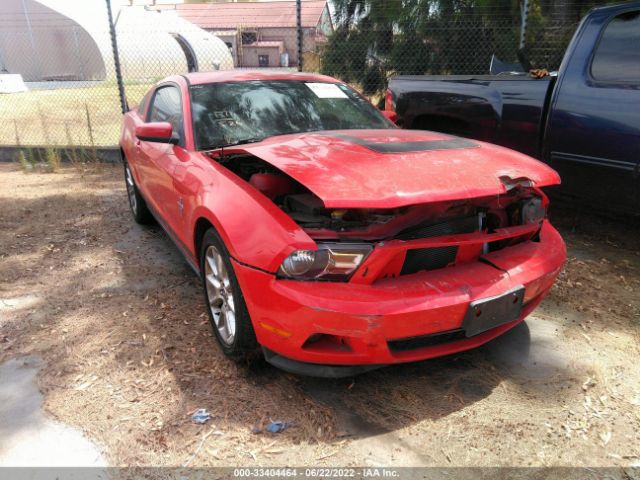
x=116 y=59
x=524 y=16
x=299 y=31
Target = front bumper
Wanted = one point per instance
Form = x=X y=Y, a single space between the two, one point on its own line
x=393 y=320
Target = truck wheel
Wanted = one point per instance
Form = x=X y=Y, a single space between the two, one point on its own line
x=139 y=209
x=227 y=310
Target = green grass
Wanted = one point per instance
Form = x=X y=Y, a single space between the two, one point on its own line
x=57 y=117
x=24 y=163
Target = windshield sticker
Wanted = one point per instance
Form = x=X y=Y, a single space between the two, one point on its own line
x=221 y=115
x=326 y=90
x=222 y=118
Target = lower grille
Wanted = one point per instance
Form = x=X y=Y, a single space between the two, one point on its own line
x=415 y=343
x=439 y=257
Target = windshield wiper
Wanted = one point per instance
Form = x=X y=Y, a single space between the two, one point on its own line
x=233 y=144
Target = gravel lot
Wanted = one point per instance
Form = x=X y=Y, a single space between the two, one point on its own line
x=119 y=321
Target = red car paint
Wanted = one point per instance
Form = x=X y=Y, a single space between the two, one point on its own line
x=357 y=318
x=368 y=316
x=346 y=174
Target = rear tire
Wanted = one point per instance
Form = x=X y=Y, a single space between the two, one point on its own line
x=139 y=209
x=226 y=307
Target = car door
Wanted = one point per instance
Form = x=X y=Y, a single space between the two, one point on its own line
x=594 y=129
x=132 y=147
x=158 y=160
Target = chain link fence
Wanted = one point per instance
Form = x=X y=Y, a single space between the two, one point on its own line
x=59 y=86
x=377 y=39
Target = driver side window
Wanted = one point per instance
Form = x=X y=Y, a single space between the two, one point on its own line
x=167 y=107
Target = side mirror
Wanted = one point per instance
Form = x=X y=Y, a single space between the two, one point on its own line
x=392 y=116
x=159 y=132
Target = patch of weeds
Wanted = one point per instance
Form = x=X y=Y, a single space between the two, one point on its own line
x=30 y=156
x=25 y=165
x=73 y=152
x=27 y=160
x=52 y=159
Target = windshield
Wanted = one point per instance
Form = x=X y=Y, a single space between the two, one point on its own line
x=242 y=112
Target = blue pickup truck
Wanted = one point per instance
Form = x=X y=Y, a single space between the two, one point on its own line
x=583 y=120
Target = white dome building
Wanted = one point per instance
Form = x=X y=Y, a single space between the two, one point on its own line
x=69 y=40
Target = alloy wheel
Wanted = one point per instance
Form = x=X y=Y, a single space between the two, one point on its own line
x=220 y=295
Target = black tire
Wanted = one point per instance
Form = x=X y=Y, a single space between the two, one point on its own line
x=244 y=345
x=139 y=209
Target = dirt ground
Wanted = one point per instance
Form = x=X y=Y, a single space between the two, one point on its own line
x=119 y=320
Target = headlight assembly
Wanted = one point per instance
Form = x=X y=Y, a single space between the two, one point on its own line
x=332 y=261
x=533 y=211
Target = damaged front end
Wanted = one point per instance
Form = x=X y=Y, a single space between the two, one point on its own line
x=363 y=245
x=442 y=253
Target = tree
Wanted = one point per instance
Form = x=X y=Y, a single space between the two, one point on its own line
x=374 y=39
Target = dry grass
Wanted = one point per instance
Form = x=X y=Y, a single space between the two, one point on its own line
x=128 y=348
x=66 y=116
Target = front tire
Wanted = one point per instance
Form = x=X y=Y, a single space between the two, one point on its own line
x=227 y=310
x=139 y=209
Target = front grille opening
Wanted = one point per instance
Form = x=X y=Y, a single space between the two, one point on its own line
x=423 y=341
x=420 y=259
x=428 y=259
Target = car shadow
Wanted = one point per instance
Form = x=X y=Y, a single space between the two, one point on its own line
x=392 y=397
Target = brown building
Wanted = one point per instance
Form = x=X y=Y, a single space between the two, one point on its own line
x=263 y=34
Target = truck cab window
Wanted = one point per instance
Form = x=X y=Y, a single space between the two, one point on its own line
x=617 y=56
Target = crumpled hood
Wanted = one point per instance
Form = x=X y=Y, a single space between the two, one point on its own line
x=394 y=168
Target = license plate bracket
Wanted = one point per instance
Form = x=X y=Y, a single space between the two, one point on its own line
x=488 y=313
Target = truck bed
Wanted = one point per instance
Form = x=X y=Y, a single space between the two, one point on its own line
x=504 y=109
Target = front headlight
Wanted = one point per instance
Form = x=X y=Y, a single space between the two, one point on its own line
x=533 y=211
x=332 y=261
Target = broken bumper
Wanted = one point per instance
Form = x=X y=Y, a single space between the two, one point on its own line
x=408 y=318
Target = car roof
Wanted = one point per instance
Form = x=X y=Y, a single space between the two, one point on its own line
x=200 y=78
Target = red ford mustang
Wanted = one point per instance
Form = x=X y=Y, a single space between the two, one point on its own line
x=326 y=235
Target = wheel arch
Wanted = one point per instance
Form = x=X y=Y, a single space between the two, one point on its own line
x=258 y=233
x=205 y=220
x=253 y=229
x=202 y=225
x=124 y=159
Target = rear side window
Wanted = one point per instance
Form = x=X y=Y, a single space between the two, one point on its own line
x=617 y=56
x=167 y=107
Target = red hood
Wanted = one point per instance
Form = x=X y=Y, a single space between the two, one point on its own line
x=394 y=168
